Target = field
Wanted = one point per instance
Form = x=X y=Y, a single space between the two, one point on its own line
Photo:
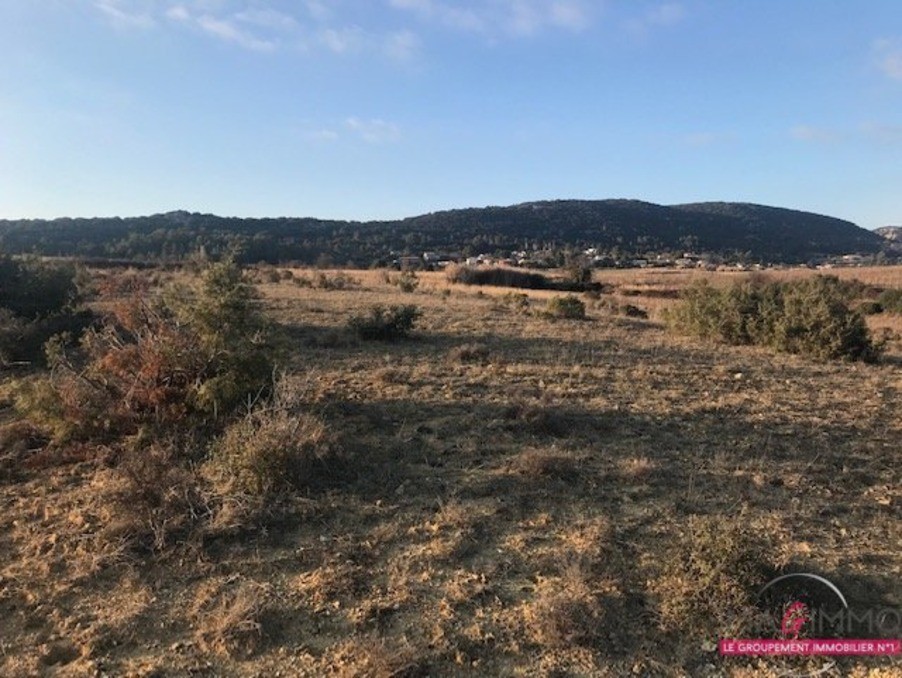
x=515 y=495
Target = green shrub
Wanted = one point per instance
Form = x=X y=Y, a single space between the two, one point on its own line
x=870 y=307
x=498 y=277
x=891 y=300
x=816 y=320
x=37 y=301
x=174 y=363
x=569 y=307
x=811 y=317
x=385 y=324
x=33 y=289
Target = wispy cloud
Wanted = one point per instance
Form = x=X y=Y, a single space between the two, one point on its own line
x=374 y=131
x=664 y=15
x=322 y=136
x=343 y=40
x=353 y=129
x=502 y=17
x=813 y=134
x=888 y=55
x=124 y=16
x=304 y=26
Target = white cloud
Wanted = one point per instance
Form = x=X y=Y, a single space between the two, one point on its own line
x=228 y=30
x=122 y=17
x=178 y=13
x=323 y=136
x=374 y=131
x=269 y=19
x=502 y=17
x=888 y=54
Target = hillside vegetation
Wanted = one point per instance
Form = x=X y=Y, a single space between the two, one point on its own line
x=618 y=227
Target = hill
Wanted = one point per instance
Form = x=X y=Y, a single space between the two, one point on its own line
x=893 y=233
x=624 y=227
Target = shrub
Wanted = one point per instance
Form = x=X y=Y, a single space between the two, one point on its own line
x=407 y=282
x=470 y=353
x=157 y=498
x=891 y=300
x=870 y=307
x=338 y=281
x=37 y=301
x=231 y=617
x=270 y=450
x=32 y=289
x=385 y=324
x=569 y=307
x=174 y=363
x=711 y=575
x=815 y=319
x=498 y=277
x=810 y=317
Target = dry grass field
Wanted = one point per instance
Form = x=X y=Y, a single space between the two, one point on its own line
x=515 y=495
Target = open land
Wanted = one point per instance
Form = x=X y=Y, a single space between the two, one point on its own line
x=510 y=499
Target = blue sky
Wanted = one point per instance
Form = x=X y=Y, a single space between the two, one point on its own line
x=368 y=109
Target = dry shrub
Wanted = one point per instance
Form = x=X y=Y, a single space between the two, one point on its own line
x=373 y=657
x=567 y=612
x=18 y=441
x=535 y=463
x=156 y=498
x=636 y=468
x=711 y=574
x=271 y=450
x=231 y=617
x=470 y=353
x=337 y=281
x=537 y=419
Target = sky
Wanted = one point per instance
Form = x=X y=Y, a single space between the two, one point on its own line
x=377 y=109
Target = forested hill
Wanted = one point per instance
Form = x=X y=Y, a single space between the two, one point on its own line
x=616 y=227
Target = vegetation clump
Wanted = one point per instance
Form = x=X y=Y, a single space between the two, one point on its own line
x=385 y=324
x=37 y=301
x=170 y=363
x=811 y=317
x=577 y=280
x=711 y=575
x=569 y=307
x=407 y=282
x=890 y=301
x=271 y=449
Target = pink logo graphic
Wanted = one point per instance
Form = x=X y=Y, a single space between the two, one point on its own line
x=794 y=619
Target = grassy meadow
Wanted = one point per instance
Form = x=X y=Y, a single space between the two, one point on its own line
x=511 y=494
